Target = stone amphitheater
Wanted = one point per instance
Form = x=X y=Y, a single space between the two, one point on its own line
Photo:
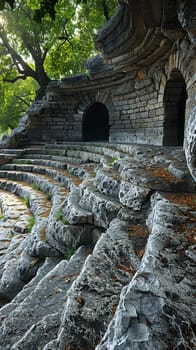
x=97 y=195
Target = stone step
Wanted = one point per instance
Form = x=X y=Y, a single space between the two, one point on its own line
x=108 y=183
x=80 y=170
x=139 y=153
x=170 y=164
x=70 y=225
x=6 y=158
x=106 y=204
x=34 y=199
x=77 y=154
x=63 y=159
x=41 y=183
x=57 y=229
x=45 y=150
x=14 y=226
x=109 y=150
x=93 y=298
x=47 y=266
x=73 y=212
x=39 y=203
x=40 y=207
x=127 y=193
x=157 y=178
x=84 y=214
x=63 y=236
x=45 y=162
x=35 y=320
x=104 y=208
x=63 y=177
x=14 y=214
x=89 y=157
x=58 y=233
x=18 y=263
x=161 y=296
x=62 y=149
x=12 y=151
x=7 y=155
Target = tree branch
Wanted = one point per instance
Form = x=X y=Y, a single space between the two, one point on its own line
x=35 y=53
x=17 y=59
x=23 y=77
x=4 y=52
x=22 y=100
x=105 y=10
x=44 y=55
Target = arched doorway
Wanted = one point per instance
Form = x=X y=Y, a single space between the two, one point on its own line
x=96 y=123
x=174 y=100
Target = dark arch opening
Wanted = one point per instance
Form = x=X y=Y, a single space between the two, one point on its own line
x=174 y=100
x=96 y=123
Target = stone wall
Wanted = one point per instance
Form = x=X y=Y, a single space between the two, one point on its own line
x=134 y=100
x=145 y=78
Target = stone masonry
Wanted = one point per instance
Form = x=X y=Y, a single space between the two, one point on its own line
x=144 y=78
x=97 y=195
x=97 y=248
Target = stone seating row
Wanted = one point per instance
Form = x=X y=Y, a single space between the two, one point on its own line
x=48 y=232
x=114 y=225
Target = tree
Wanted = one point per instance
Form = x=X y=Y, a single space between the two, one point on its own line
x=3 y=3
x=15 y=100
x=68 y=57
x=47 y=49
x=67 y=40
x=43 y=7
x=26 y=45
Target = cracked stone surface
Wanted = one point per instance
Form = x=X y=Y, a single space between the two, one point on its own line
x=129 y=226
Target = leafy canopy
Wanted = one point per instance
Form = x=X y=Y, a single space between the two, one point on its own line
x=36 y=47
x=15 y=100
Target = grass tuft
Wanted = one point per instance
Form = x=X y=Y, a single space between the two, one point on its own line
x=31 y=224
x=26 y=201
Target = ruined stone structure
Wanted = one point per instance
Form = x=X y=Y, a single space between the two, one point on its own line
x=123 y=210
x=140 y=90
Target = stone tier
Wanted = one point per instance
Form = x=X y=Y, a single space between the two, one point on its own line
x=127 y=216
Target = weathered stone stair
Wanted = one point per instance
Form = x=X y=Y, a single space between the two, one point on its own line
x=122 y=211
x=39 y=310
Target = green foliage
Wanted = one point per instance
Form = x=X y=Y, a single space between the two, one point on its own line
x=32 y=53
x=23 y=161
x=35 y=187
x=69 y=253
x=70 y=172
x=48 y=196
x=15 y=100
x=117 y=178
x=113 y=160
x=24 y=44
x=59 y=216
x=64 y=221
x=2 y=216
x=76 y=38
x=31 y=224
x=46 y=8
x=26 y=201
x=95 y=189
x=3 y=3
